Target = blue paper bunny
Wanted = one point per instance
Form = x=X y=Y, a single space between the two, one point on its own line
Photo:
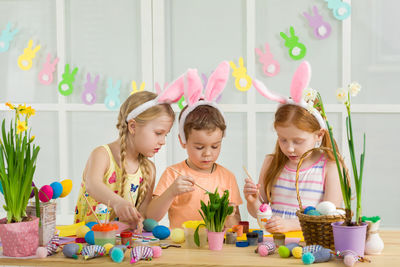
x=112 y=101
x=6 y=37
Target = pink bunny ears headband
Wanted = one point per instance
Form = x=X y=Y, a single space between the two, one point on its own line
x=300 y=81
x=193 y=92
x=171 y=94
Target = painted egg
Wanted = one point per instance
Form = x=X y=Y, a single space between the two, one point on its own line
x=70 y=250
x=67 y=187
x=57 y=189
x=45 y=193
x=89 y=237
x=90 y=224
x=161 y=232
x=178 y=235
x=149 y=224
x=81 y=231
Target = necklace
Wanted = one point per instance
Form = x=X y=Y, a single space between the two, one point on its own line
x=212 y=168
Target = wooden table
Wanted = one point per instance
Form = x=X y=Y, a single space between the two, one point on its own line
x=229 y=256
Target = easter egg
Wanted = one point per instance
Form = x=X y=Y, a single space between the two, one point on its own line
x=178 y=235
x=81 y=231
x=149 y=224
x=67 y=187
x=90 y=224
x=297 y=252
x=326 y=207
x=57 y=189
x=89 y=237
x=70 y=250
x=108 y=246
x=45 y=193
x=33 y=191
x=117 y=255
x=313 y=213
x=308 y=258
x=284 y=252
x=161 y=232
x=306 y=210
x=157 y=251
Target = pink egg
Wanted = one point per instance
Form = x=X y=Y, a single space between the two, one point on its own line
x=45 y=193
x=157 y=251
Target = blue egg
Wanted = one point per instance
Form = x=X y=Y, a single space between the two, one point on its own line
x=89 y=237
x=161 y=232
x=308 y=258
x=149 y=224
x=57 y=189
x=90 y=224
x=117 y=255
x=1 y=189
x=306 y=210
x=313 y=213
x=70 y=250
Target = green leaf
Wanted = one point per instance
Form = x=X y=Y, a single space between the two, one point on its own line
x=196 y=235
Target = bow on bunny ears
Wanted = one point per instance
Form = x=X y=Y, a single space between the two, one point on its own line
x=300 y=81
x=171 y=94
x=193 y=92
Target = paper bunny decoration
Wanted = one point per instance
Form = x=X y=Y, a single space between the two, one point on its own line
x=25 y=59
x=112 y=100
x=65 y=87
x=300 y=81
x=322 y=29
x=194 y=91
x=89 y=94
x=341 y=10
x=46 y=74
x=297 y=50
x=171 y=94
x=270 y=65
x=6 y=37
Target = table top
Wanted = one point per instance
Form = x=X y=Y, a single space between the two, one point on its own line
x=230 y=255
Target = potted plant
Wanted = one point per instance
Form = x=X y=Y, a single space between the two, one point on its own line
x=214 y=215
x=18 y=154
x=348 y=235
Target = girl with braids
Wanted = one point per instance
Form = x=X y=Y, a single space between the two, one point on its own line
x=299 y=127
x=120 y=173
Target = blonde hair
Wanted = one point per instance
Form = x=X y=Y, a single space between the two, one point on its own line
x=298 y=116
x=203 y=117
x=145 y=164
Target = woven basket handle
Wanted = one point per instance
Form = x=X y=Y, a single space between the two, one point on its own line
x=326 y=149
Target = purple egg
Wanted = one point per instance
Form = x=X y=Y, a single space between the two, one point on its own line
x=33 y=192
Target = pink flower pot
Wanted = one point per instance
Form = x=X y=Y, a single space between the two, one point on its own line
x=215 y=240
x=19 y=239
x=350 y=237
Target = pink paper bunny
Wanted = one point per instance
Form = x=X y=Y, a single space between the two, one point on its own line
x=89 y=94
x=193 y=91
x=270 y=66
x=46 y=74
x=300 y=81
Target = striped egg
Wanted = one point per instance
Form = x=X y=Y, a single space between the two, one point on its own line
x=141 y=253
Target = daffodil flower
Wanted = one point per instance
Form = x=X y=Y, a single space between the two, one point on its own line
x=309 y=95
x=341 y=95
x=354 y=88
x=30 y=111
x=8 y=104
x=21 y=126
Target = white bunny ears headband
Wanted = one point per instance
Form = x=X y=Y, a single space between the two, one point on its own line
x=193 y=92
x=171 y=94
x=300 y=81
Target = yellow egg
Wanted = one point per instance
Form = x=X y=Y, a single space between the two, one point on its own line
x=297 y=252
x=67 y=187
x=108 y=246
x=178 y=235
x=81 y=231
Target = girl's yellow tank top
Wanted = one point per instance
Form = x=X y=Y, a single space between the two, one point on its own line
x=127 y=189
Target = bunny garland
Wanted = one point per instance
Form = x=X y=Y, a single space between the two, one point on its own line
x=193 y=92
x=300 y=81
x=170 y=95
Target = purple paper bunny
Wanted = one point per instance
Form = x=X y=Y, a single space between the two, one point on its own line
x=89 y=94
x=322 y=29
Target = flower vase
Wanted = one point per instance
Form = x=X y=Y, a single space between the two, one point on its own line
x=48 y=220
x=215 y=240
x=350 y=237
x=374 y=244
x=19 y=239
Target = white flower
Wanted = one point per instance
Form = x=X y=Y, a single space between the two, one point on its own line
x=341 y=95
x=354 y=88
x=310 y=106
x=309 y=94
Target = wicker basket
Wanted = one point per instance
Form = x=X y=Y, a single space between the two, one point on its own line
x=317 y=230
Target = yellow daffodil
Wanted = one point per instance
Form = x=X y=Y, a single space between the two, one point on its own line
x=22 y=108
x=8 y=104
x=30 y=111
x=354 y=88
x=341 y=95
x=21 y=126
x=32 y=138
x=309 y=94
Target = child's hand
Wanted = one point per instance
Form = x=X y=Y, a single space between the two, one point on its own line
x=250 y=190
x=181 y=185
x=278 y=225
x=126 y=212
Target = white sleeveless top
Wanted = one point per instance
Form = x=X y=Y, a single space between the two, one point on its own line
x=311 y=187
